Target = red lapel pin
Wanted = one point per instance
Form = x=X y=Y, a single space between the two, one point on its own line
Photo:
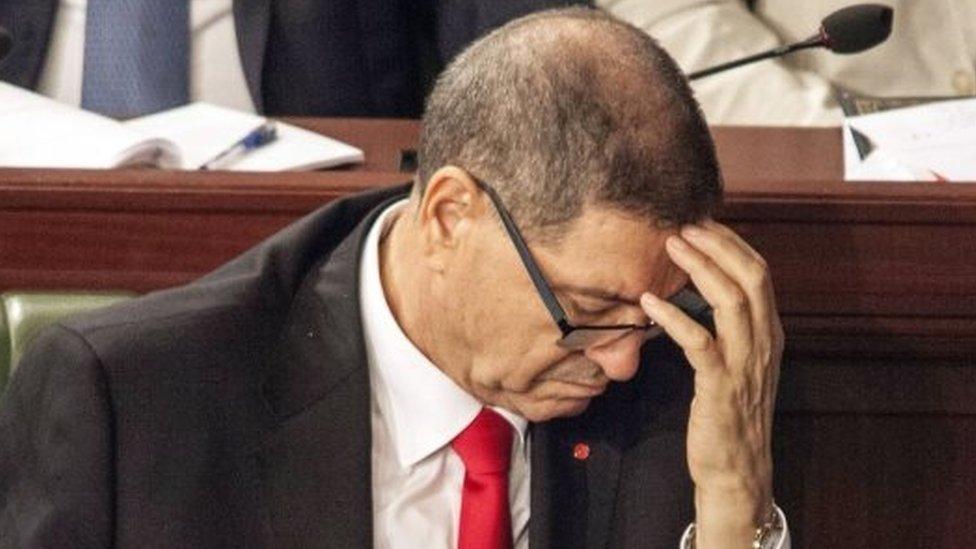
x=581 y=451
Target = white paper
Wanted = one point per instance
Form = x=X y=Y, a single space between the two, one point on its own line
x=297 y=149
x=201 y=131
x=36 y=131
x=931 y=142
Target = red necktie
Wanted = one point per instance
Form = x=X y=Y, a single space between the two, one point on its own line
x=485 y=447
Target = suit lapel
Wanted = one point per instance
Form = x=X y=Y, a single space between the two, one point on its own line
x=575 y=471
x=602 y=475
x=252 y=19
x=558 y=490
x=314 y=460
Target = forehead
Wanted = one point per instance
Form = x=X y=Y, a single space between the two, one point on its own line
x=609 y=250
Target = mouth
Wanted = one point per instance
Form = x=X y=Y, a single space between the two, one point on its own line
x=588 y=390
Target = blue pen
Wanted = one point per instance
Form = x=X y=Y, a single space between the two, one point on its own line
x=262 y=135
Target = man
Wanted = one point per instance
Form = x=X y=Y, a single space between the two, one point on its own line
x=931 y=52
x=288 y=57
x=463 y=365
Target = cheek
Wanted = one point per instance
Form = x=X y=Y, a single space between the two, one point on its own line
x=486 y=294
x=504 y=318
x=503 y=322
x=515 y=368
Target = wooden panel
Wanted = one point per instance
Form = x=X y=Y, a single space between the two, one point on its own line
x=877 y=453
x=797 y=174
x=144 y=229
x=861 y=269
x=871 y=289
x=381 y=140
x=869 y=480
x=832 y=386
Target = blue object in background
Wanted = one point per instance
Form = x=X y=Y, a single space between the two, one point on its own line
x=136 y=56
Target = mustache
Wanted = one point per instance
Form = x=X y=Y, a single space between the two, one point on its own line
x=575 y=369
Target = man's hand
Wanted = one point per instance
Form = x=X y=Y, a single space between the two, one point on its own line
x=736 y=374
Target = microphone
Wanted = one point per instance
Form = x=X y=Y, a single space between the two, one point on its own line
x=849 y=30
x=6 y=42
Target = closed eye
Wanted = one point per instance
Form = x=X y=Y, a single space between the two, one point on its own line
x=594 y=309
x=594 y=313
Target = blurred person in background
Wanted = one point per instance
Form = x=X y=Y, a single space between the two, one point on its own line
x=931 y=52
x=126 y=58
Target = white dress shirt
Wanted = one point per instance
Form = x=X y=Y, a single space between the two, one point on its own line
x=216 y=73
x=415 y=412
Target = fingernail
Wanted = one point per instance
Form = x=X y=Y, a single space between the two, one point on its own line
x=649 y=300
x=692 y=232
x=675 y=243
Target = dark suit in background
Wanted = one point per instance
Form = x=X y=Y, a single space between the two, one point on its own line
x=316 y=57
x=234 y=412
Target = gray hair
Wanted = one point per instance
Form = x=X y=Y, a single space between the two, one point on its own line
x=567 y=107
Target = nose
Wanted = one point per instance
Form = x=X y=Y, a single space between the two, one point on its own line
x=619 y=358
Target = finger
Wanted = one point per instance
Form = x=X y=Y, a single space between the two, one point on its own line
x=776 y=325
x=726 y=231
x=772 y=383
x=746 y=267
x=729 y=233
x=771 y=373
x=769 y=293
x=733 y=321
x=692 y=337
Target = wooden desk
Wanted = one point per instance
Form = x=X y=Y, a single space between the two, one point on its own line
x=876 y=286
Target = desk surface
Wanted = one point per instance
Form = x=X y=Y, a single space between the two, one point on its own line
x=787 y=172
x=865 y=269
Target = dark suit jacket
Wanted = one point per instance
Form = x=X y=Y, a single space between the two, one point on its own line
x=234 y=412
x=316 y=57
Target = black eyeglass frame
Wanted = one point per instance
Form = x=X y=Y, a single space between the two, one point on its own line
x=687 y=300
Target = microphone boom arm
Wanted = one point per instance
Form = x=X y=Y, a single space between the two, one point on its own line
x=815 y=41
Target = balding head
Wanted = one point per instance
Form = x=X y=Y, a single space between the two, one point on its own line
x=571 y=107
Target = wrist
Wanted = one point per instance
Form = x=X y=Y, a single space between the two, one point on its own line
x=730 y=518
x=734 y=505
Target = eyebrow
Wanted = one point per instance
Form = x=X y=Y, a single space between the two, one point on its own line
x=606 y=295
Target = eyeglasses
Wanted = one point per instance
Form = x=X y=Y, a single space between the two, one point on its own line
x=581 y=336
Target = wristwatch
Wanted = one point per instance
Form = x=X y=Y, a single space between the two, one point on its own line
x=768 y=533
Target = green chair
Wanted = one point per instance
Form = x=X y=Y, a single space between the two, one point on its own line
x=24 y=314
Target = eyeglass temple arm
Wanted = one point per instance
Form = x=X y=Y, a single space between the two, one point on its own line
x=548 y=298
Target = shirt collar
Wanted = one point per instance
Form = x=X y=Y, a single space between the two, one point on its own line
x=422 y=408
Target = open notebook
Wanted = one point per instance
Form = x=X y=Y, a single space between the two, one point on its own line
x=36 y=131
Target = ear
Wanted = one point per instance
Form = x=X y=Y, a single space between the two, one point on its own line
x=451 y=209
